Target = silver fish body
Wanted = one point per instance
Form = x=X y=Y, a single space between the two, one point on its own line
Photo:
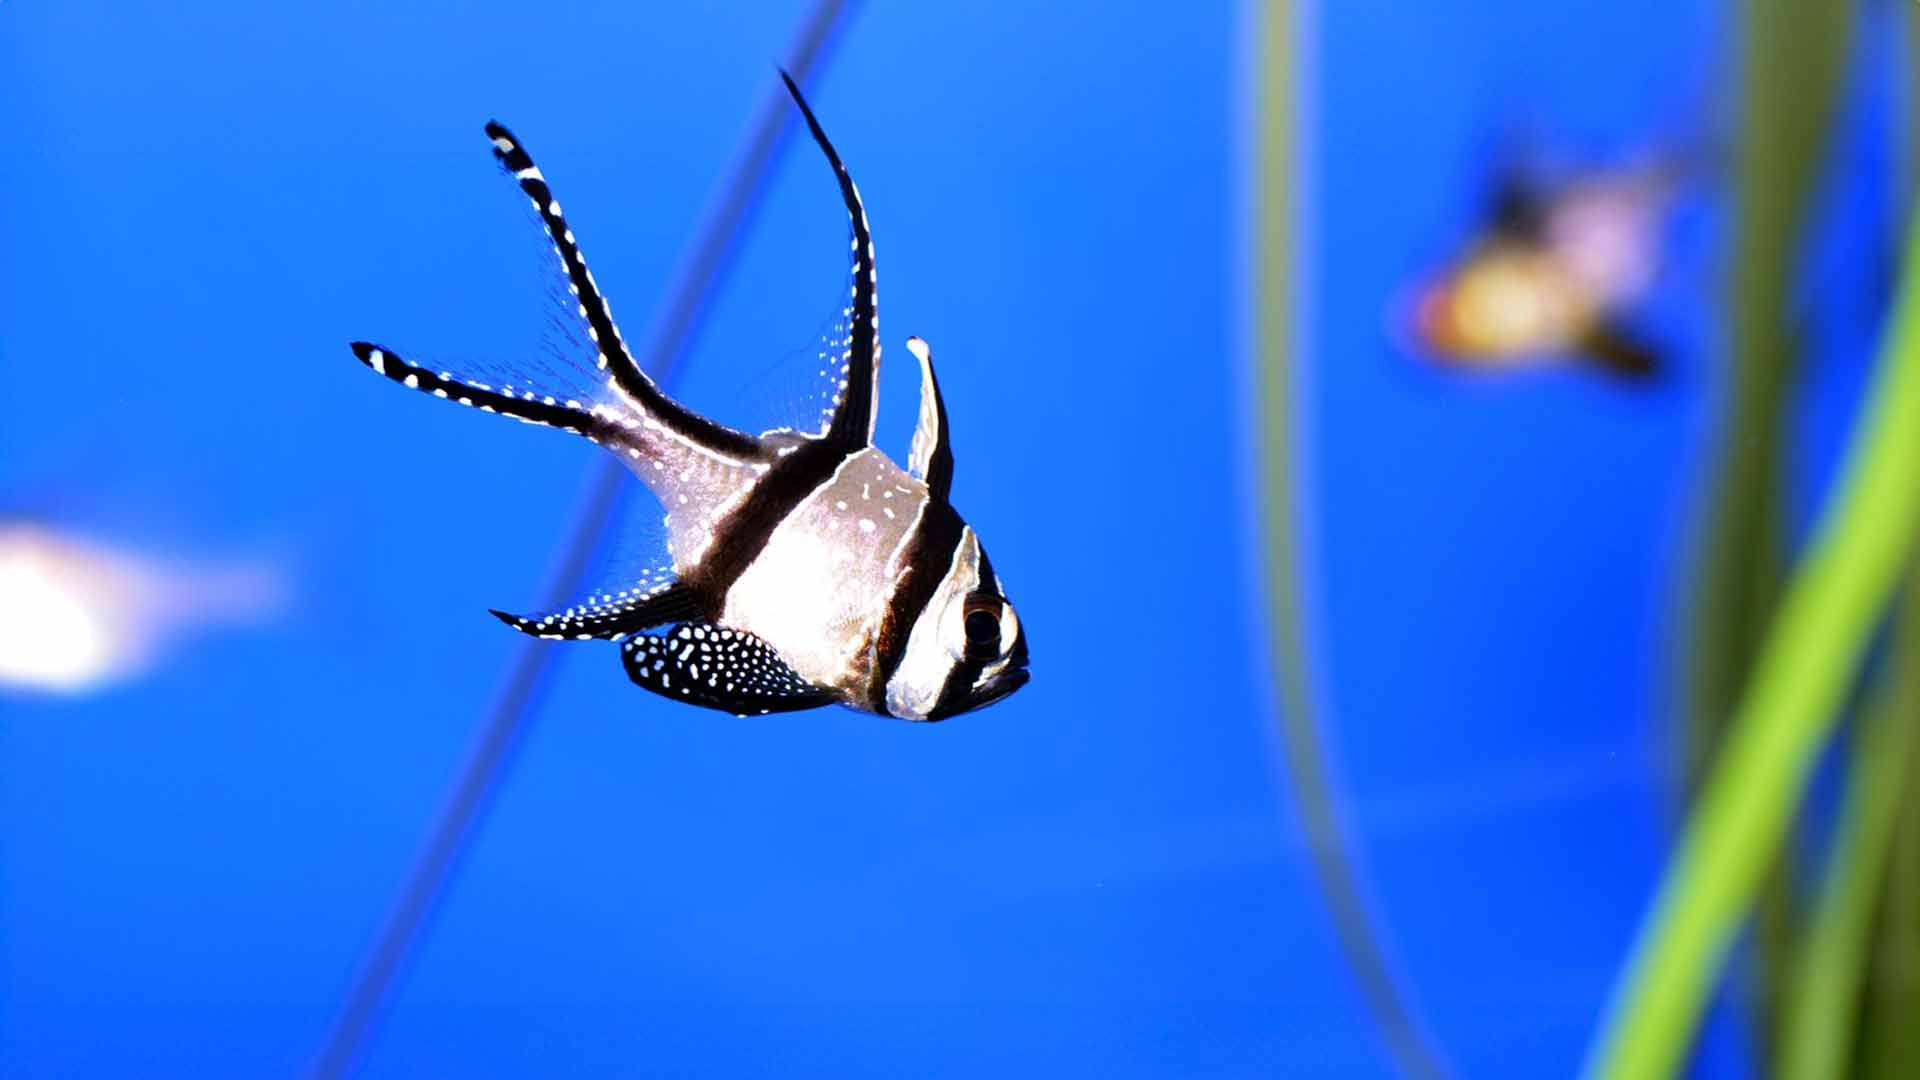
x=807 y=568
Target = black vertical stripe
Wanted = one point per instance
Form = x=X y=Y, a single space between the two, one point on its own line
x=929 y=555
x=959 y=685
x=954 y=692
x=742 y=535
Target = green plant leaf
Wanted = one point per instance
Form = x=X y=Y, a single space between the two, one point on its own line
x=1811 y=655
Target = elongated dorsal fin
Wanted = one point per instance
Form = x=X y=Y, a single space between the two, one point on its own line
x=932 y=456
x=853 y=412
x=623 y=372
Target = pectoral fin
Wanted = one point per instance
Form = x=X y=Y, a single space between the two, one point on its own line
x=719 y=668
x=1621 y=352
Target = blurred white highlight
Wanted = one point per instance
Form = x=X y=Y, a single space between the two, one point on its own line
x=75 y=615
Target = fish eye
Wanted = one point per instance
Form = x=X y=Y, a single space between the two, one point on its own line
x=981 y=623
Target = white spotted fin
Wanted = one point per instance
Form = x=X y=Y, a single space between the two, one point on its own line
x=719 y=668
x=612 y=614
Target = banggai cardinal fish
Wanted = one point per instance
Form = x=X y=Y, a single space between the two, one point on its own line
x=807 y=568
x=1552 y=277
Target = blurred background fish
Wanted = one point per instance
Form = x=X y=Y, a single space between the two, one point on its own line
x=80 y=614
x=1555 y=276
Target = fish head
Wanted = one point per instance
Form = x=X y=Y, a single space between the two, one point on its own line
x=987 y=645
x=967 y=649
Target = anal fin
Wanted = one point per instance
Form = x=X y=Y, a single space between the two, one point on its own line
x=614 y=615
x=718 y=668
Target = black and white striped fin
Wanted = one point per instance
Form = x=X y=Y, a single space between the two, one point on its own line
x=623 y=372
x=521 y=403
x=718 y=668
x=612 y=615
x=931 y=458
x=851 y=422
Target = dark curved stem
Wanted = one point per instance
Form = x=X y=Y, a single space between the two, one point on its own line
x=465 y=810
x=1280 y=434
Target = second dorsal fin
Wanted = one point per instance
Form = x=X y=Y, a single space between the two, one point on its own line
x=931 y=458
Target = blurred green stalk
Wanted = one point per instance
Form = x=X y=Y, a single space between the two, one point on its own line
x=1793 y=55
x=1889 y=1038
x=1858 y=997
x=1793 y=699
x=1793 y=58
x=1888 y=1043
x=1275 y=295
x=1818 y=1039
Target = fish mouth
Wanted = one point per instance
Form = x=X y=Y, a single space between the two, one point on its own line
x=997 y=687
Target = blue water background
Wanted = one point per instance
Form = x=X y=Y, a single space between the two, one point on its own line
x=1101 y=876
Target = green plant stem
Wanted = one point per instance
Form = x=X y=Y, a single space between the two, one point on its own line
x=1812 y=651
x=1888 y=1037
x=1792 y=60
x=1817 y=1040
x=1889 y=1043
x=1792 y=57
